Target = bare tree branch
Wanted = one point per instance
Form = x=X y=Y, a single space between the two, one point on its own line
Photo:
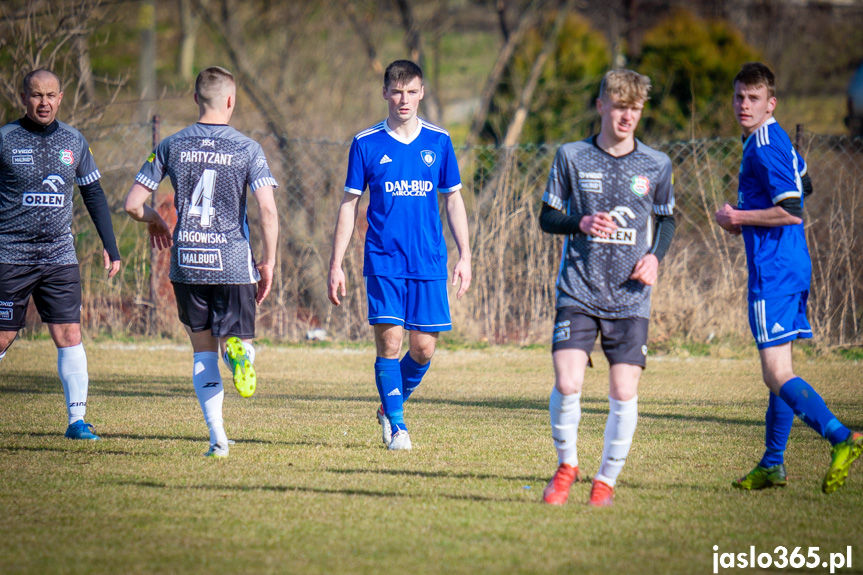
x=515 y=127
x=480 y=115
x=363 y=32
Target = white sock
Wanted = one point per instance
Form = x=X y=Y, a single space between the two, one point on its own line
x=622 y=419
x=2 y=355
x=565 y=411
x=250 y=353
x=208 y=387
x=72 y=368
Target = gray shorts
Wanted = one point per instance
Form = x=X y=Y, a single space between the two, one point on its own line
x=623 y=340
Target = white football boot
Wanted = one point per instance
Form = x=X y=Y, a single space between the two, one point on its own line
x=386 y=428
x=401 y=441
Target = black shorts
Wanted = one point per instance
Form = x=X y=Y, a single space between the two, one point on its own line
x=623 y=340
x=56 y=291
x=226 y=310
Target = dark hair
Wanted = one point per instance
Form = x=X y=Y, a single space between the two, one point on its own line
x=401 y=72
x=25 y=85
x=755 y=74
x=212 y=82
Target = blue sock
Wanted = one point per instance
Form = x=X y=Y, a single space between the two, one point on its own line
x=412 y=374
x=809 y=406
x=388 y=378
x=777 y=429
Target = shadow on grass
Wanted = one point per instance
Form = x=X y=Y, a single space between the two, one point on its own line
x=438 y=474
x=38 y=449
x=323 y=491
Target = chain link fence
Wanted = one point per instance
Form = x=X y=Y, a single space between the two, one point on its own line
x=700 y=296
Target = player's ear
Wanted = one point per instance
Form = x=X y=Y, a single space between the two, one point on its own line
x=195 y=96
x=771 y=103
x=422 y=91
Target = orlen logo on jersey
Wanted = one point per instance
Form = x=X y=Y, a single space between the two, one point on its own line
x=623 y=235
x=52 y=200
x=639 y=185
x=408 y=187
x=200 y=258
x=67 y=157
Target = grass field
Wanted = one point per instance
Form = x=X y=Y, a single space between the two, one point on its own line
x=309 y=488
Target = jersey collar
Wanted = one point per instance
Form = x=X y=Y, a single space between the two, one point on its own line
x=746 y=139
x=407 y=140
x=39 y=129
x=595 y=141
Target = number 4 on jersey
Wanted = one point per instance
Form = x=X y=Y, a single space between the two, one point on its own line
x=202 y=198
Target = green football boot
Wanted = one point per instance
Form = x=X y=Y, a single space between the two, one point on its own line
x=843 y=455
x=244 y=373
x=762 y=478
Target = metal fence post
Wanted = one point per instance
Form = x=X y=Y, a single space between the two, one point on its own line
x=154 y=253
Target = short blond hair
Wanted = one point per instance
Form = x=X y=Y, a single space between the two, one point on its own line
x=213 y=83
x=627 y=86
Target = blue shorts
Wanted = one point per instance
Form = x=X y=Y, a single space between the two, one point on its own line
x=778 y=320
x=418 y=305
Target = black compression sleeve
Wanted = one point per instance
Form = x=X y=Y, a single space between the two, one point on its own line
x=97 y=207
x=663 y=232
x=807 y=185
x=792 y=206
x=553 y=221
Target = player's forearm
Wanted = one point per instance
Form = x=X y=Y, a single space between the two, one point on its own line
x=269 y=221
x=456 y=216
x=553 y=221
x=135 y=204
x=663 y=234
x=768 y=218
x=269 y=235
x=97 y=206
x=345 y=221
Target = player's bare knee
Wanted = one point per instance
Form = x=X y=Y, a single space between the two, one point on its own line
x=65 y=334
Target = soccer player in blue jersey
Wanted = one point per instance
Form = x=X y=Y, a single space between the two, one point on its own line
x=612 y=198
x=405 y=162
x=769 y=215
x=41 y=160
x=213 y=271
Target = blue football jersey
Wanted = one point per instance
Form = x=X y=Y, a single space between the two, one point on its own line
x=405 y=237
x=770 y=171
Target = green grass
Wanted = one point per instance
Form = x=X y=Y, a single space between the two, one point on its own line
x=309 y=488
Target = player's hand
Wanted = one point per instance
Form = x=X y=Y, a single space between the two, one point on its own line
x=724 y=219
x=646 y=270
x=599 y=225
x=462 y=272
x=336 y=285
x=112 y=267
x=266 y=282
x=160 y=234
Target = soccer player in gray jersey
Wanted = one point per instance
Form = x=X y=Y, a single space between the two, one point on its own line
x=611 y=196
x=213 y=271
x=41 y=160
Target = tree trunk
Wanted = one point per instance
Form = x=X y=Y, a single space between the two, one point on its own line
x=190 y=22
x=147 y=67
x=413 y=40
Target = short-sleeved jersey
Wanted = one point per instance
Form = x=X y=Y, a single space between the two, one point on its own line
x=38 y=173
x=594 y=272
x=770 y=171
x=405 y=237
x=210 y=167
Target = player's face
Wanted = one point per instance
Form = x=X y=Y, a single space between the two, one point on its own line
x=619 y=118
x=752 y=106
x=404 y=100
x=42 y=98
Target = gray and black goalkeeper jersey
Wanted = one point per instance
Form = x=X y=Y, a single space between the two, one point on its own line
x=594 y=272
x=38 y=173
x=210 y=167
